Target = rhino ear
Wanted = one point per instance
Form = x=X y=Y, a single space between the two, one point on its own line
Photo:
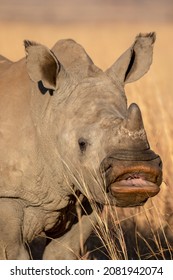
x=135 y=62
x=42 y=64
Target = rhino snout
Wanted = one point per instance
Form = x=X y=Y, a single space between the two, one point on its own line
x=132 y=177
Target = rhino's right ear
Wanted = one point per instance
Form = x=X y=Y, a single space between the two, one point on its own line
x=42 y=64
x=135 y=62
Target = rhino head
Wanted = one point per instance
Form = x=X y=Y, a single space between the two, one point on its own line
x=90 y=139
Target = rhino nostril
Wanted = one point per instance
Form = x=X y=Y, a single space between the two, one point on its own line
x=108 y=168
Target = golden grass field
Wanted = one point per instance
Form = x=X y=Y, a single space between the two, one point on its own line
x=104 y=42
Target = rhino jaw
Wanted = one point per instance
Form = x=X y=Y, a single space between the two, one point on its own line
x=133 y=191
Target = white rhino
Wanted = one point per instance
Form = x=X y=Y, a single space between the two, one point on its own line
x=67 y=141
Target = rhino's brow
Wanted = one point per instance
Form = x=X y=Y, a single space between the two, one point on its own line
x=79 y=92
x=90 y=85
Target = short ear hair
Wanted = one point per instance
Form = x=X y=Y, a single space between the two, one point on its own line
x=42 y=64
x=136 y=61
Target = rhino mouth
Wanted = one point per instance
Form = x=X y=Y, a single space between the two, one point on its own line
x=132 y=177
x=133 y=190
x=130 y=184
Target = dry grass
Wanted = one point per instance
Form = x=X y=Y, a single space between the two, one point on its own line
x=149 y=227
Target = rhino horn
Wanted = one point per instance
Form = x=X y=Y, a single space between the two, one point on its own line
x=134 y=120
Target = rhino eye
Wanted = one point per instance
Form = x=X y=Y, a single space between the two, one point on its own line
x=82 y=144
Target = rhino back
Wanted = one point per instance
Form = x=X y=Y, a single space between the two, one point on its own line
x=4 y=63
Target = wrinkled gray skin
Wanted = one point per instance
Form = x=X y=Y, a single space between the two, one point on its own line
x=60 y=119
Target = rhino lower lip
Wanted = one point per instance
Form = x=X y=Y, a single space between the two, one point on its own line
x=133 y=191
x=135 y=185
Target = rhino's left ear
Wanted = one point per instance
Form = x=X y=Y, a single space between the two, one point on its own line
x=135 y=62
x=42 y=64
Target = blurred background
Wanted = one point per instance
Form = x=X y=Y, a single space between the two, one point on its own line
x=58 y=11
x=106 y=29
x=86 y=21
